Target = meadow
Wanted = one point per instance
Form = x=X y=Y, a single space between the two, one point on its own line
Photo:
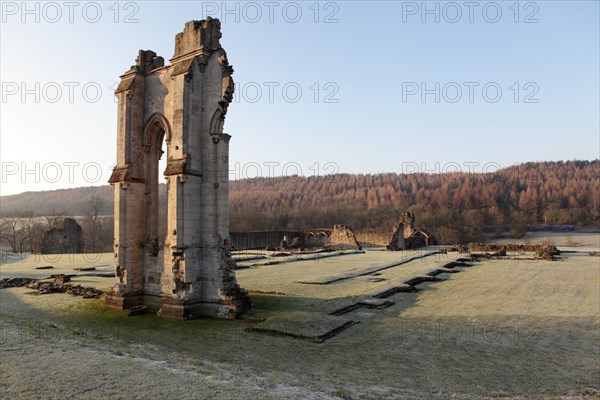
x=496 y=329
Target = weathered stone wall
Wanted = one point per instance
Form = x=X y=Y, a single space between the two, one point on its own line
x=542 y=251
x=182 y=105
x=408 y=223
x=373 y=238
x=260 y=239
x=67 y=240
x=319 y=237
x=405 y=236
x=316 y=238
x=342 y=238
x=397 y=241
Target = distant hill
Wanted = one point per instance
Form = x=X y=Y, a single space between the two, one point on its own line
x=550 y=192
x=69 y=201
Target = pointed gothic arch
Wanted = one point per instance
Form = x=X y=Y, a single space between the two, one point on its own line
x=156 y=124
x=217 y=121
x=176 y=105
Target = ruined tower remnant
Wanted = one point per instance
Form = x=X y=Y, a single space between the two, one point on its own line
x=183 y=105
x=406 y=236
x=342 y=238
x=66 y=240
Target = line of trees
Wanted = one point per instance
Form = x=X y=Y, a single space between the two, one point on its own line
x=22 y=232
x=453 y=206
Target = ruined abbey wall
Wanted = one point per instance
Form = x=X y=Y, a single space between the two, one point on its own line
x=66 y=240
x=180 y=107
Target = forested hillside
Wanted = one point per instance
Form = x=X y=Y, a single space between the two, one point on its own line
x=455 y=206
x=63 y=201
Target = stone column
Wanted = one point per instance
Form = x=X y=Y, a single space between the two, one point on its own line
x=129 y=186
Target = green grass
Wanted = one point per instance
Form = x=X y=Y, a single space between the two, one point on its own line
x=499 y=328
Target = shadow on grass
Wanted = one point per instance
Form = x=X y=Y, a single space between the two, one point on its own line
x=496 y=355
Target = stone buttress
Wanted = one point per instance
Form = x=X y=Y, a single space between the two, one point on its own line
x=182 y=105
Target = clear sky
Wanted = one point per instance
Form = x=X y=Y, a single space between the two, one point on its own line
x=322 y=87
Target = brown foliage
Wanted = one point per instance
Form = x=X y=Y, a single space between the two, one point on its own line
x=454 y=205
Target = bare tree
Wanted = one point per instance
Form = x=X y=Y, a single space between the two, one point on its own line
x=11 y=232
x=283 y=220
x=29 y=228
x=107 y=236
x=22 y=231
x=55 y=219
x=93 y=221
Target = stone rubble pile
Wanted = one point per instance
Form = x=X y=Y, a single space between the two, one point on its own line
x=51 y=287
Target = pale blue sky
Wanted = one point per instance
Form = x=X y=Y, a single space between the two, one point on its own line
x=369 y=58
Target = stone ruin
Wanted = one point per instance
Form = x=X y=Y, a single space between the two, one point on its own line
x=342 y=238
x=182 y=105
x=286 y=244
x=405 y=236
x=316 y=238
x=543 y=251
x=66 y=240
x=297 y=243
x=273 y=240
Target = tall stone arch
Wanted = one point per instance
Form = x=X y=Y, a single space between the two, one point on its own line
x=184 y=106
